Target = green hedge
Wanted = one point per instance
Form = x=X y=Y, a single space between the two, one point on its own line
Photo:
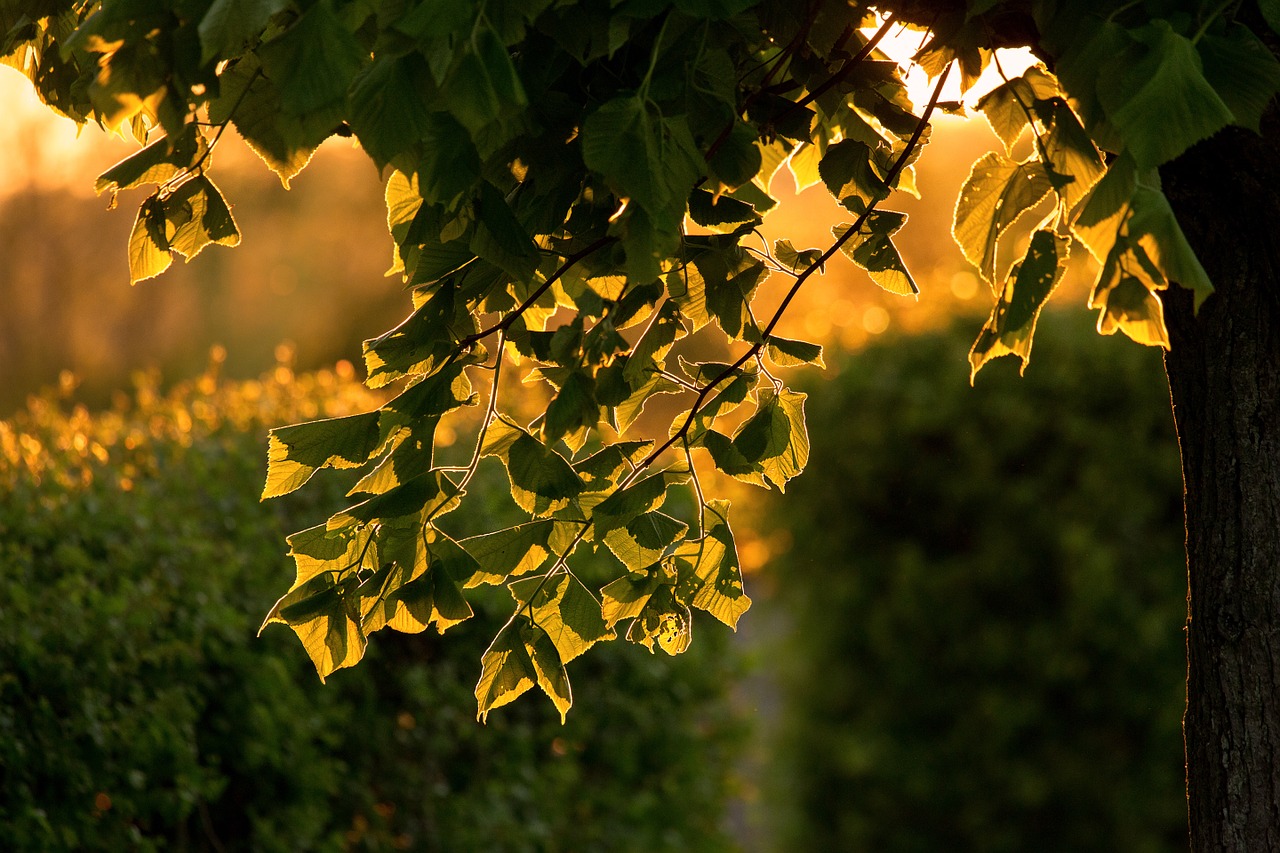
x=139 y=711
x=984 y=600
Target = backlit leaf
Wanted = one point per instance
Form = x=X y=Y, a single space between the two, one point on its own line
x=565 y=609
x=507 y=671
x=996 y=194
x=1012 y=325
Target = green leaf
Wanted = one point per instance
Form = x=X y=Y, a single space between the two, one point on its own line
x=322 y=613
x=155 y=164
x=251 y=102
x=788 y=353
x=1271 y=13
x=623 y=506
x=573 y=408
x=1007 y=107
x=483 y=83
x=1157 y=96
x=548 y=667
x=796 y=261
x=389 y=111
x=313 y=62
x=847 y=171
x=148 y=246
x=542 y=481
x=712 y=211
x=664 y=620
x=296 y=452
x=1074 y=163
x=511 y=552
x=873 y=250
x=500 y=238
x=626 y=597
x=644 y=539
x=1153 y=226
x=199 y=216
x=996 y=194
x=1012 y=325
x=565 y=609
x=738 y=159
x=430 y=494
x=641 y=155
x=507 y=671
x=775 y=436
x=318 y=549
x=1126 y=302
x=229 y=26
x=418 y=583
x=713 y=563
x=1243 y=71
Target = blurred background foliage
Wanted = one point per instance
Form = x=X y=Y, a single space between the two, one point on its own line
x=138 y=711
x=967 y=629
x=978 y=604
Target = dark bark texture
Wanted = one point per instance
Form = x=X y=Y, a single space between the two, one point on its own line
x=1224 y=375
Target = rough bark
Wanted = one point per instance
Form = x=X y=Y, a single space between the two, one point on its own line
x=1224 y=375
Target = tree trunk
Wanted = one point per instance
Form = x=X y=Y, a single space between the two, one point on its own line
x=1224 y=375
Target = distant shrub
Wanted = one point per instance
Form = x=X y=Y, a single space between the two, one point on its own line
x=139 y=712
x=984 y=599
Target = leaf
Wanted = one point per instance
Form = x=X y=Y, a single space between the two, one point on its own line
x=231 y=25
x=296 y=452
x=996 y=194
x=873 y=250
x=713 y=562
x=712 y=211
x=796 y=261
x=847 y=171
x=1012 y=325
x=418 y=583
x=507 y=671
x=548 y=667
x=511 y=552
x=483 y=83
x=1074 y=163
x=1243 y=72
x=1157 y=96
x=251 y=102
x=199 y=216
x=1131 y=307
x=500 y=238
x=775 y=436
x=788 y=353
x=1153 y=226
x=623 y=506
x=542 y=481
x=641 y=155
x=1007 y=107
x=389 y=112
x=313 y=62
x=644 y=538
x=321 y=612
x=431 y=494
x=155 y=164
x=319 y=549
x=738 y=159
x=148 y=246
x=626 y=597
x=664 y=620
x=565 y=609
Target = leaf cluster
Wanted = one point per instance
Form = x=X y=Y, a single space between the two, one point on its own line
x=574 y=191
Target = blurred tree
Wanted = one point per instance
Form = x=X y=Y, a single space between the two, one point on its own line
x=544 y=158
x=984 y=655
